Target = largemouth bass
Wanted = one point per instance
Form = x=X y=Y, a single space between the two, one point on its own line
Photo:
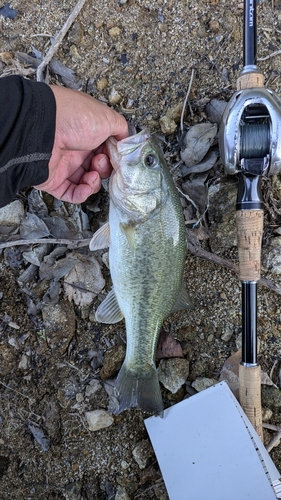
x=147 y=249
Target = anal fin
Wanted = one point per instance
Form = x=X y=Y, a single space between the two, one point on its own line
x=183 y=301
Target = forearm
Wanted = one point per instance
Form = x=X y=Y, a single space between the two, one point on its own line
x=27 y=130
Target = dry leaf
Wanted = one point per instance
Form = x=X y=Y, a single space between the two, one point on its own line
x=84 y=281
x=168 y=347
x=33 y=227
x=197 y=142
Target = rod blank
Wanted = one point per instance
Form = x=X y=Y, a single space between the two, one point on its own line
x=250 y=32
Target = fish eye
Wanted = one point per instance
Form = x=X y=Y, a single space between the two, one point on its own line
x=150 y=160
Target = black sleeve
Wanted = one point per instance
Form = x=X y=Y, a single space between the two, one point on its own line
x=27 y=131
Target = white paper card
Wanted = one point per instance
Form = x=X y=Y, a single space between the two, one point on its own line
x=205 y=450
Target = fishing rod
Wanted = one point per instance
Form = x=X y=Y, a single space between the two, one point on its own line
x=250 y=146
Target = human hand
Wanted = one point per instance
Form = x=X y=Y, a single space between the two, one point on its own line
x=79 y=158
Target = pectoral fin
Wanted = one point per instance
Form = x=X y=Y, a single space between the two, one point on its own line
x=101 y=238
x=183 y=301
x=109 y=311
x=129 y=231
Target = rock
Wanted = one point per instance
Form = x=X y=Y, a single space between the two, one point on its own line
x=276 y=186
x=114 y=32
x=79 y=397
x=271 y=257
x=271 y=397
x=6 y=57
x=121 y=494
x=73 y=490
x=227 y=334
x=7 y=360
x=12 y=214
x=91 y=489
x=215 y=109
x=52 y=421
x=39 y=437
x=238 y=341
x=112 y=361
x=98 y=419
x=102 y=84
x=75 y=33
x=266 y=414
x=75 y=56
x=214 y=25
x=23 y=364
x=59 y=322
x=222 y=216
x=203 y=383
x=168 y=122
x=114 y=97
x=225 y=75
x=142 y=452
x=167 y=125
x=92 y=388
x=173 y=373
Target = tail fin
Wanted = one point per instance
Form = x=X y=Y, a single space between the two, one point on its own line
x=139 y=390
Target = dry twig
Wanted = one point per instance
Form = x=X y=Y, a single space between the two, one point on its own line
x=18 y=392
x=61 y=34
x=186 y=97
x=71 y=244
x=276 y=438
x=195 y=249
x=273 y=54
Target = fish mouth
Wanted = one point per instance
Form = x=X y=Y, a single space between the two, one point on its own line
x=128 y=147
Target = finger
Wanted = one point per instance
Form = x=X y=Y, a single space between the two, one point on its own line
x=87 y=163
x=118 y=126
x=79 y=193
x=102 y=165
x=76 y=192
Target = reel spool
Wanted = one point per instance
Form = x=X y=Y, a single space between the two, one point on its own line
x=251 y=128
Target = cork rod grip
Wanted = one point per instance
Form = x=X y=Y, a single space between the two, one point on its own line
x=250 y=80
x=250 y=395
x=249 y=235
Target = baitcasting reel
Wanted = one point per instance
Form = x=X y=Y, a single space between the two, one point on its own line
x=250 y=146
x=251 y=127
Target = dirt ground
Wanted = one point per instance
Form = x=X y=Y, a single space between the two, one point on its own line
x=138 y=57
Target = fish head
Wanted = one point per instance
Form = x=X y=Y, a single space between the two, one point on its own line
x=136 y=184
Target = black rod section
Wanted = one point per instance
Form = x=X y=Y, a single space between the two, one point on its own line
x=249 y=323
x=249 y=196
x=250 y=32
